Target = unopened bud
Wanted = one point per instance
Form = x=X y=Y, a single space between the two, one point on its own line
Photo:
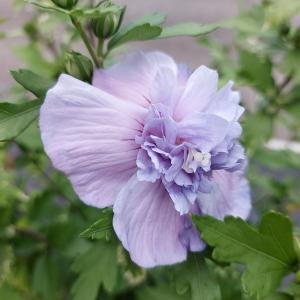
x=79 y=66
x=108 y=24
x=66 y=4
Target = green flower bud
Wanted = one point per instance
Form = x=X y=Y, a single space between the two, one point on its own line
x=66 y=4
x=108 y=24
x=78 y=66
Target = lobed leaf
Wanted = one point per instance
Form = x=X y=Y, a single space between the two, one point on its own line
x=268 y=253
x=96 y=267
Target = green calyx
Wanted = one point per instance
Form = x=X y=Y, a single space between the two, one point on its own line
x=78 y=66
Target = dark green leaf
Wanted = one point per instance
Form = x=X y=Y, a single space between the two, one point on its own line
x=7 y=292
x=96 y=267
x=257 y=130
x=190 y=29
x=160 y=292
x=101 y=229
x=32 y=82
x=196 y=274
x=256 y=71
x=268 y=253
x=45 y=277
x=15 y=118
x=145 y=28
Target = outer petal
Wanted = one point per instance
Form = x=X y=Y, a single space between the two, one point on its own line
x=200 y=87
x=131 y=79
x=230 y=196
x=148 y=225
x=225 y=103
x=89 y=135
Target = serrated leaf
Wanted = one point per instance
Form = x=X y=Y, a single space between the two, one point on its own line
x=32 y=82
x=101 y=229
x=190 y=29
x=96 y=267
x=15 y=118
x=145 y=28
x=268 y=253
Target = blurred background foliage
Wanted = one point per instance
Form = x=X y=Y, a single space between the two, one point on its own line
x=42 y=255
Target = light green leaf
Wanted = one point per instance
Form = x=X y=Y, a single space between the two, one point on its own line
x=190 y=29
x=145 y=28
x=15 y=118
x=32 y=82
x=102 y=229
x=96 y=267
x=268 y=253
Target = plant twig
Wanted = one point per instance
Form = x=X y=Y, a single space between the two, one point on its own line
x=97 y=61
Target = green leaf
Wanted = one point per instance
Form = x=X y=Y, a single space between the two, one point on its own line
x=190 y=29
x=15 y=118
x=101 y=229
x=197 y=276
x=32 y=82
x=145 y=28
x=257 y=130
x=163 y=291
x=96 y=267
x=45 y=277
x=268 y=253
x=45 y=4
x=256 y=70
x=7 y=292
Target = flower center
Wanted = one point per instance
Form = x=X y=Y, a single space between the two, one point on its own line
x=196 y=159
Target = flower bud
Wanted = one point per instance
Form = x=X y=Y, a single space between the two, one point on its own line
x=66 y=4
x=108 y=24
x=78 y=66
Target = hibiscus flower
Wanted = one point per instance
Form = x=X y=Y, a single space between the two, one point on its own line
x=156 y=142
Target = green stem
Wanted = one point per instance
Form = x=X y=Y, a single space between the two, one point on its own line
x=100 y=47
x=85 y=39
